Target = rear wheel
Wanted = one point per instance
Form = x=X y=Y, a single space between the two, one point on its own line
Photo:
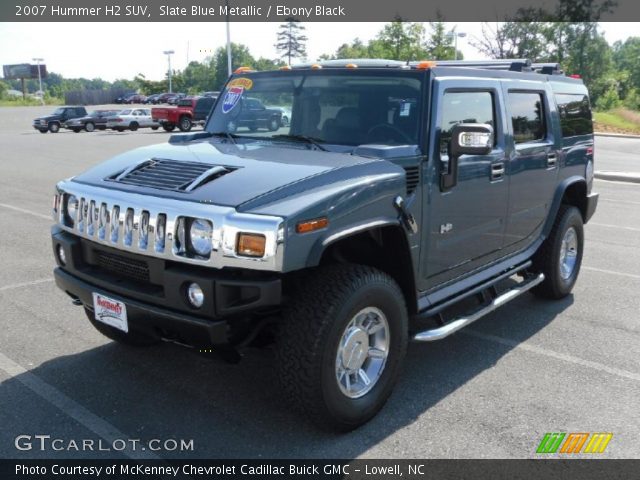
x=90 y=127
x=185 y=124
x=560 y=256
x=169 y=128
x=342 y=343
x=54 y=127
x=274 y=124
x=131 y=338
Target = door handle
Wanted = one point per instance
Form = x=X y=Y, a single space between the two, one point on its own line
x=497 y=171
x=552 y=160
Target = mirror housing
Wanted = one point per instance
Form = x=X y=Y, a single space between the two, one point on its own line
x=466 y=139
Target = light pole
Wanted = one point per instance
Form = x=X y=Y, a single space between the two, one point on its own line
x=229 y=67
x=455 y=36
x=38 y=60
x=168 y=53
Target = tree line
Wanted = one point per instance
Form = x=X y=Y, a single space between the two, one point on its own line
x=612 y=72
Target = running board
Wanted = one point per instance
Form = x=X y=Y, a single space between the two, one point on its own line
x=455 y=325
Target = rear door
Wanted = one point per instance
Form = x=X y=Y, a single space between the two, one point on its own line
x=533 y=163
x=465 y=224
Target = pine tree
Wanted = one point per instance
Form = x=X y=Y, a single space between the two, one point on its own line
x=291 y=40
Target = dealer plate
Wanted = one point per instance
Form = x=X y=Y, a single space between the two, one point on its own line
x=110 y=311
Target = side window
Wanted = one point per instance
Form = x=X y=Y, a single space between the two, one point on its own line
x=527 y=117
x=575 y=114
x=464 y=107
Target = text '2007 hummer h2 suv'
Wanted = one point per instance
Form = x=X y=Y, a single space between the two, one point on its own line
x=396 y=194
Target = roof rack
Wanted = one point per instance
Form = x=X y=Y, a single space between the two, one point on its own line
x=508 y=64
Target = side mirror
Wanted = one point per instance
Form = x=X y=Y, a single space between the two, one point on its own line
x=466 y=139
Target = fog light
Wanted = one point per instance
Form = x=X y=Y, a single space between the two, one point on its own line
x=195 y=295
x=61 y=255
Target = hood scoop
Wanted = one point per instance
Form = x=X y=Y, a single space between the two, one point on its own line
x=165 y=174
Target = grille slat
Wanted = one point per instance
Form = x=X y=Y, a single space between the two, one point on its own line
x=132 y=269
x=169 y=174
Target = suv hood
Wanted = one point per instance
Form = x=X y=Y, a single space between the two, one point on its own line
x=49 y=117
x=255 y=170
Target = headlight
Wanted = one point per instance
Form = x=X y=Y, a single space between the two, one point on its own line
x=71 y=210
x=250 y=245
x=200 y=236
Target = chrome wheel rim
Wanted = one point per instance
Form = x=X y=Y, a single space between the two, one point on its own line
x=362 y=352
x=568 y=253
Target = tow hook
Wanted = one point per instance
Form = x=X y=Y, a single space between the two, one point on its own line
x=407 y=218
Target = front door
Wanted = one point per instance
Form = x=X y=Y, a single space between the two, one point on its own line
x=465 y=224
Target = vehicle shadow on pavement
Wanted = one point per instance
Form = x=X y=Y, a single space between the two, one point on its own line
x=237 y=411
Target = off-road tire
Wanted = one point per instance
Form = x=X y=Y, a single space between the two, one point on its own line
x=307 y=342
x=185 y=124
x=54 y=127
x=131 y=338
x=547 y=258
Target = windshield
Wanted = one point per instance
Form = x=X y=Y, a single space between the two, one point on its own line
x=58 y=111
x=333 y=108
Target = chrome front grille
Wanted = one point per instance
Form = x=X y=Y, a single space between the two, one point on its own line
x=147 y=225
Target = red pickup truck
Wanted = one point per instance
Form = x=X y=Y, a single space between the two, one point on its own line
x=180 y=116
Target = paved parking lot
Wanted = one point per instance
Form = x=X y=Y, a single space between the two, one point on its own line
x=490 y=391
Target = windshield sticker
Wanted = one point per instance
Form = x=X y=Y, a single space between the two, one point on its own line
x=231 y=99
x=245 y=83
x=405 y=109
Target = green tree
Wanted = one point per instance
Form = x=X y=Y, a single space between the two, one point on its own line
x=291 y=41
x=439 y=44
x=240 y=57
x=400 y=40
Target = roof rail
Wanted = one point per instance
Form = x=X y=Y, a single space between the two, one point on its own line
x=513 y=64
x=547 y=68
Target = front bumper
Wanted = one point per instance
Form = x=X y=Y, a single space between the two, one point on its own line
x=159 y=306
x=592 y=203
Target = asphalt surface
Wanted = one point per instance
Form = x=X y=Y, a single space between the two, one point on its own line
x=491 y=391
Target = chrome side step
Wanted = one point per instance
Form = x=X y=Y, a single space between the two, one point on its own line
x=461 y=322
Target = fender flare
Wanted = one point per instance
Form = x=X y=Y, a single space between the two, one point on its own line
x=557 y=200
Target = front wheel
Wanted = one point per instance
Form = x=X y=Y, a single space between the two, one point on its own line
x=274 y=124
x=131 y=338
x=560 y=256
x=341 y=344
x=133 y=126
x=90 y=127
x=54 y=127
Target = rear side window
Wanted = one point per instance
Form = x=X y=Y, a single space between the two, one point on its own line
x=464 y=107
x=527 y=117
x=575 y=114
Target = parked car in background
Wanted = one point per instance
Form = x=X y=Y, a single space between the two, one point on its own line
x=173 y=100
x=152 y=99
x=203 y=108
x=254 y=115
x=211 y=94
x=180 y=116
x=94 y=120
x=164 y=97
x=286 y=115
x=135 y=98
x=52 y=123
x=132 y=119
x=123 y=98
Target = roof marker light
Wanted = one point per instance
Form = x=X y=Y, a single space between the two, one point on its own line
x=243 y=70
x=351 y=65
x=316 y=66
x=425 y=65
x=286 y=67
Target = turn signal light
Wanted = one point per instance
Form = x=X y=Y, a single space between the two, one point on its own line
x=312 y=225
x=250 y=245
x=243 y=70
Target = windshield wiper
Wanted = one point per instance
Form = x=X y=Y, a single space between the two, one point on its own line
x=229 y=136
x=316 y=142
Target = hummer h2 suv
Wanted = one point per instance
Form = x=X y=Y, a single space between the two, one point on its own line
x=402 y=201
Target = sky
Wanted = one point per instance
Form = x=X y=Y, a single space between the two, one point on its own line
x=123 y=50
